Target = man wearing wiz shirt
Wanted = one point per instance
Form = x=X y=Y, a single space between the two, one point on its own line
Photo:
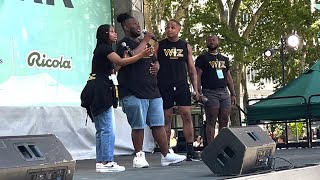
x=214 y=74
x=140 y=96
x=174 y=55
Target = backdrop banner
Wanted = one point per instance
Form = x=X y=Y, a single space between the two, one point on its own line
x=45 y=59
x=46 y=49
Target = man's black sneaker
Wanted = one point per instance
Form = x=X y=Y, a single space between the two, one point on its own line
x=194 y=156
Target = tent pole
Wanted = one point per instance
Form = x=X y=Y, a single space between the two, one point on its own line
x=282 y=60
x=286 y=129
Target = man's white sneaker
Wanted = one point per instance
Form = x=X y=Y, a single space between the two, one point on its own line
x=140 y=160
x=171 y=151
x=109 y=167
x=172 y=158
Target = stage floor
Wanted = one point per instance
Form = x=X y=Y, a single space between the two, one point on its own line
x=85 y=169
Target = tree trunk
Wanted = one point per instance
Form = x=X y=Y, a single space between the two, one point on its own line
x=146 y=13
x=152 y=19
x=182 y=9
x=236 y=71
x=244 y=89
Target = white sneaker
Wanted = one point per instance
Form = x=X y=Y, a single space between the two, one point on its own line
x=172 y=158
x=140 y=160
x=171 y=151
x=109 y=167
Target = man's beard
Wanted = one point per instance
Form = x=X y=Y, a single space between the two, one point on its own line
x=134 y=34
x=212 y=48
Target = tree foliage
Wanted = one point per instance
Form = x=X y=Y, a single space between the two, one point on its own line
x=158 y=12
x=246 y=30
x=282 y=19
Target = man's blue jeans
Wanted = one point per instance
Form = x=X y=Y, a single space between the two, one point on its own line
x=105 y=135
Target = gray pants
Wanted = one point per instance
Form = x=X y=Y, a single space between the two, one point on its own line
x=217 y=98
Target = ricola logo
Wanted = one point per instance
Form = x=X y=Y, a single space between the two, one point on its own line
x=36 y=59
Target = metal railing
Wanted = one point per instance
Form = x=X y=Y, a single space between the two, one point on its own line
x=286 y=121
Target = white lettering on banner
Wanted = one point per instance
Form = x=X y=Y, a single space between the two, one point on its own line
x=67 y=3
x=35 y=58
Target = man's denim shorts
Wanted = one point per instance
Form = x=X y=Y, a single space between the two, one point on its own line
x=142 y=112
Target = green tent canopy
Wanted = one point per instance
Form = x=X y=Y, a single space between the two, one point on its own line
x=299 y=99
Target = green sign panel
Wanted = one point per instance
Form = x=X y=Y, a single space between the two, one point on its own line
x=46 y=49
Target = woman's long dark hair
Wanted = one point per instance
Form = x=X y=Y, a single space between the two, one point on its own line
x=103 y=34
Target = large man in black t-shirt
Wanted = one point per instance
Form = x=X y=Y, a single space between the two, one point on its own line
x=140 y=96
x=214 y=76
x=175 y=58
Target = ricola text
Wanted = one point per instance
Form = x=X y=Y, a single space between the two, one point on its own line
x=36 y=59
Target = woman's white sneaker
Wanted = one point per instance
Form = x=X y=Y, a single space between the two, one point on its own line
x=109 y=167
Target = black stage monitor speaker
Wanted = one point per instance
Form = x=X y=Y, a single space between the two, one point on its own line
x=35 y=157
x=239 y=150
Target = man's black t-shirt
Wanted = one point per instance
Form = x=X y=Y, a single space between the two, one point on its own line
x=211 y=65
x=136 y=79
x=172 y=57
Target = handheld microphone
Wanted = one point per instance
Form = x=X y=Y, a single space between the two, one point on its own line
x=130 y=52
x=203 y=99
x=153 y=37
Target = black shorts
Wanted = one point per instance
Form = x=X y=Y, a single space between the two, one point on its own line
x=175 y=95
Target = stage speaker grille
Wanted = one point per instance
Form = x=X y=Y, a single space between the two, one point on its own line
x=239 y=150
x=35 y=157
